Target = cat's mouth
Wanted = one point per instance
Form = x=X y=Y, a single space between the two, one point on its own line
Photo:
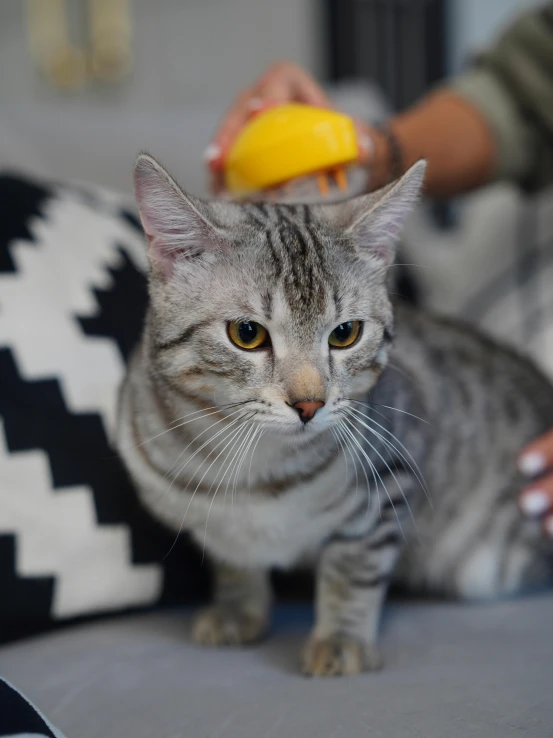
x=295 y=430
x=314 y=427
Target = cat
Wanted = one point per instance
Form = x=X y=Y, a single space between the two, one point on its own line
x=283 y=410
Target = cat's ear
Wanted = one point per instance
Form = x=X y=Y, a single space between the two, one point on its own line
x=176 y=225
x=375 y=221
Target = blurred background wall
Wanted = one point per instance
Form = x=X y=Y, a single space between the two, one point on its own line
x=471 y=23
x=191 y=56
x=185 y=51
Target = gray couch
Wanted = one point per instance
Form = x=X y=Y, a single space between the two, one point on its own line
x=482 y=671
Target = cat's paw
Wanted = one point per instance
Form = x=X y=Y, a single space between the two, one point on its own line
x=221 y=626
x=339 y=655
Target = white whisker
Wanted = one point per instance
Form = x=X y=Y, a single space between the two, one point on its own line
x=199 y=413
x=413 y=466
x=236 y=430
x=204 y=444
x=218 y=455
x=242 y=455
x=345 y=447
x=261 y=432
x=235 y=438
x=232 y=459
x=420 y=266
x=340 y=443
x=346 y=434
x=389 y=407
x=373 y=409
x=388 y=467
x=174 y=464
x=252 y=440
x=352 y=435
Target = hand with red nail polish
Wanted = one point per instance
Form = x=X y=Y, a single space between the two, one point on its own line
x=283 y=82
x=536 y=462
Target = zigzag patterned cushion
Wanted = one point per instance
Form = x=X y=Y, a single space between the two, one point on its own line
x=74 y=540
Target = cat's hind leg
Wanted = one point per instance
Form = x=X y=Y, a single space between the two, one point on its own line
x=487 y=552
x=510 y=559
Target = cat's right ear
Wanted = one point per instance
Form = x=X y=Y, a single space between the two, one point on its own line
x=374 y=221
x=176 y=225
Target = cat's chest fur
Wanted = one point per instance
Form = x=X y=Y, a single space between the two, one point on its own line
x=277 y=531
x=277 y=511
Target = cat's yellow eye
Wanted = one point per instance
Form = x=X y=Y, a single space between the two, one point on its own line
x=248 y=335
x=345 y=334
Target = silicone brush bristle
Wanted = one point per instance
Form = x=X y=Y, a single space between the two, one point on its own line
x=341 y=178
x=323 y=185
x=335 y=184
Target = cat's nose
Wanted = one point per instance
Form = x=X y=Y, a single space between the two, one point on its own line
x=307 y=408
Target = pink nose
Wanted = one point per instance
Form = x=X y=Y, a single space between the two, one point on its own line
x=307 y=408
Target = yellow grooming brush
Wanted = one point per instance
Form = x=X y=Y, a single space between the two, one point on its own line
x=292 y=152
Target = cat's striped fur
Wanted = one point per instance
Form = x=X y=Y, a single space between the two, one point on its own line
x=409 y=468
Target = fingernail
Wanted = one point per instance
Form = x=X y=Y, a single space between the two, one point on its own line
x=535 y=503
x=212 y=152
x=548 y=525
x=532 y=463
x=366 y=144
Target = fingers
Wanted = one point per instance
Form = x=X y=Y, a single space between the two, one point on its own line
x=233 y=122
x=538 y=456
x=536 y=500
x=304 y=87
x=286 y=82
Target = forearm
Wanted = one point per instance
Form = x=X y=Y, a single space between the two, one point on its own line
x=494 y=121
x=450 y=134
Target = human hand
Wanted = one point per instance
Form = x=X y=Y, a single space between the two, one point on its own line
x=282 y=82
x=536 y=462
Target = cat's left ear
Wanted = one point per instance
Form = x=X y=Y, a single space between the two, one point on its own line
x=375 y=221
x=177 y=225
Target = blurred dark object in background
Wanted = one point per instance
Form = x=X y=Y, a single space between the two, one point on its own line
x=399 y=44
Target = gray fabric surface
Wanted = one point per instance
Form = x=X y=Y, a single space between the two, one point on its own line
x=451 y=671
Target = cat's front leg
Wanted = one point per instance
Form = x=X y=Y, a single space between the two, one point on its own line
x=240 y=613
x=352 y=578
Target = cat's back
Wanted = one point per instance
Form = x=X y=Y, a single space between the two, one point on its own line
x=461 y=370
x=483 y=403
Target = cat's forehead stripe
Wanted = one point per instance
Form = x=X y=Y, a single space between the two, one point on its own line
x=267 y=304
x=304 y=269
x=274 y=252
x=258 y=214
x=295 y=252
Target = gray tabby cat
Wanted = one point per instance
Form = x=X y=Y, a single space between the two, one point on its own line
x=279 y=412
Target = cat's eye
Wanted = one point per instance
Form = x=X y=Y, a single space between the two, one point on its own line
x=248 y=335
x=345 y=334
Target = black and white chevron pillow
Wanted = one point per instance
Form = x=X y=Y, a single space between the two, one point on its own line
x=74 y=540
